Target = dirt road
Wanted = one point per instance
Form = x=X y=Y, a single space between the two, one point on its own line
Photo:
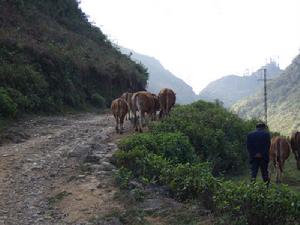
x=57 y=171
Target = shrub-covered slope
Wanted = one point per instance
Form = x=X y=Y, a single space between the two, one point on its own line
x=184 y=151
x=232 y=88
x=51 y=57
x=283 y=101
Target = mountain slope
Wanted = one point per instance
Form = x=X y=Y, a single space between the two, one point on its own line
x=52 y=57
x=232 y=88
x=283 y=101
x=160 y=78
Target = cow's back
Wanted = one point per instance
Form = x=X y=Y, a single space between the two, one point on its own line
x=119 y=107
x=280 y=149
x=167 y=98
x=143 y=100
x=156 y=102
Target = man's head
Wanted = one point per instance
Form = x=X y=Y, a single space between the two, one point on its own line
x=261 y=126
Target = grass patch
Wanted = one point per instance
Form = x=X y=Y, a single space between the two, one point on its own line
x=291 y=175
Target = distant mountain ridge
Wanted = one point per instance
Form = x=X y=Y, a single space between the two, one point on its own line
x=283 y=101
x=230 y=89
x=159 y=78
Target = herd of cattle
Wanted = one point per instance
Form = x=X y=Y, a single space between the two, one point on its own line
x=280 y=151
x=137 y=104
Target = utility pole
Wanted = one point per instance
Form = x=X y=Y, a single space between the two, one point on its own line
x=265 y=95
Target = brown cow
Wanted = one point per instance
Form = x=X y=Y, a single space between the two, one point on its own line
x=156 y=105
x=279 y=152
x=143 y=102
x=295 y=145
x=167 y=99
x=127 y=97
x=119 y=108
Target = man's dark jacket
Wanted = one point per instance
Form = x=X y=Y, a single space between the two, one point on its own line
x=259 y=141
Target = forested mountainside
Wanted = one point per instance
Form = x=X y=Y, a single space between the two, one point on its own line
x=159 y=78
x=232 y=88
x=52 y=57
x=283 y=101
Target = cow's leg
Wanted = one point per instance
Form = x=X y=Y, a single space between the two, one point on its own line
x=277 y=173
x=141 y=114
x=160 y=114
x=135 y=121
x=121 y=124
x=117 y=124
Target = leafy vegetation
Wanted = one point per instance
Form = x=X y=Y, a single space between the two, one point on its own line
x=164 y=156
x=217 y=135
x=52 y=57
x=256 y=204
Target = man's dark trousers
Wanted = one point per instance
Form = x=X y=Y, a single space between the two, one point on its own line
x=262 y=164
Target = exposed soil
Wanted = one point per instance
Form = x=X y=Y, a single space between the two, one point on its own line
x=57 y=170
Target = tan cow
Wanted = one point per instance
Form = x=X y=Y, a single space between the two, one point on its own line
x=295 y=145
x=119 y=108
x=167 y=99
x=127 y=97
x=142 y=102
x=279 y=152
x=156 y=105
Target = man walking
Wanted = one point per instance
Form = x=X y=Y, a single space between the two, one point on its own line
x=258 y=145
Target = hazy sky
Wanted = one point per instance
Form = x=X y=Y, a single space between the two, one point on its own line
x=202 y=40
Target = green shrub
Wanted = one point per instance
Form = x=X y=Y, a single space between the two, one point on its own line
x=8 y=108
x=217 y=135
x=98 y=101
x=256 y=204
x=192 y=181
x=123 y=177
x=138 y=140
x=172 y=146
x=19 y=99
x=133 y=160
x=143 y=164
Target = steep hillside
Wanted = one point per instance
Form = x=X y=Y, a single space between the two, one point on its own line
x=160 y=78
x=232 y=88
x=283 y=101
x=52 y=57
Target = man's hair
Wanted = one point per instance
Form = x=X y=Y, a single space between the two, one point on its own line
x=261 y=126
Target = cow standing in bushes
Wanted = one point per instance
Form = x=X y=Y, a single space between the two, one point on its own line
x=119 y=108
x=279 y=153
x=156 y=106
x=295 y=145
x=167 y=99
x=143 y=102
x=127 y=97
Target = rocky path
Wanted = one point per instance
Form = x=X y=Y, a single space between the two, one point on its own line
x=57 y=170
